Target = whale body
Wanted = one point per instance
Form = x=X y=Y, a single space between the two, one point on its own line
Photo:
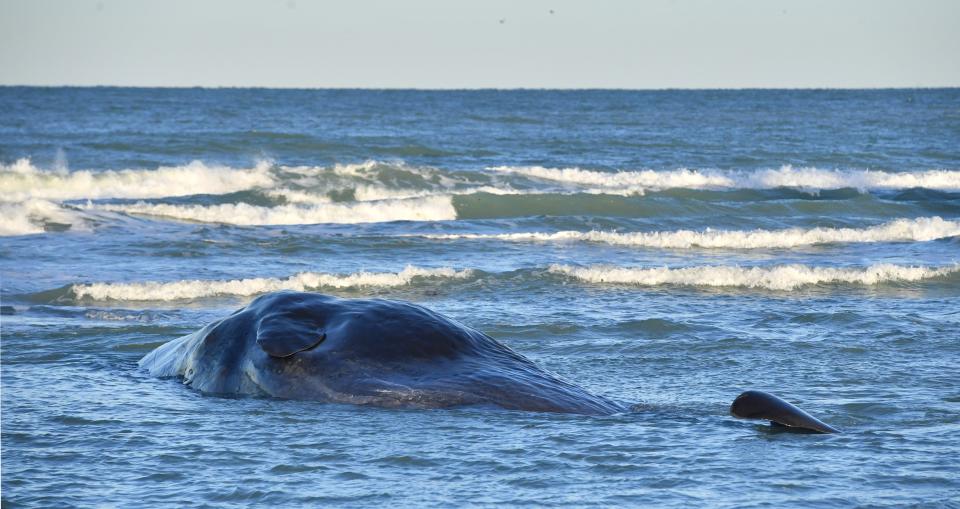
x=308 y=346
x=378 y=352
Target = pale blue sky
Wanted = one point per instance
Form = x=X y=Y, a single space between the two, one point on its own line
x=461 y=44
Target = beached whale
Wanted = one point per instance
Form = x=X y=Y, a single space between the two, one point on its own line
x=385 y=353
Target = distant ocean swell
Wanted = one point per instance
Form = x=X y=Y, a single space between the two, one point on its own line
x=35 y=200
x=776 y=278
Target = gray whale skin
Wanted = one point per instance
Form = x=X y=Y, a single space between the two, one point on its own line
x=386 y=353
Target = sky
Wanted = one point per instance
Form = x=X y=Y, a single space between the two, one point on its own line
x=649 y=44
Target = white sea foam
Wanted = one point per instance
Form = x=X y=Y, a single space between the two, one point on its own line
x=299 y=196
x=377 y=180
x=623 y=181
x=34 y=215
x=437 y=208
x=375 y=191
x=367 y=193
x=786 y=176
x=362 y=193
x=391 y=175
x=22 y=180
x=377 y=168
x=304 y=281
x=901 y=230
x=865 y=180
x=782 y=277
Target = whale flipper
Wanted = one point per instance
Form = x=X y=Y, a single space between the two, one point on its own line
x=283 y=338
x=762 y=405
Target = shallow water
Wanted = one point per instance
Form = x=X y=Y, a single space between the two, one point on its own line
x=669 y=249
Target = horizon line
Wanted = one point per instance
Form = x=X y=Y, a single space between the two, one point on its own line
x=478 y=89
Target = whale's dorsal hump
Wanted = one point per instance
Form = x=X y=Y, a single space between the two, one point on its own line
x=281 y=337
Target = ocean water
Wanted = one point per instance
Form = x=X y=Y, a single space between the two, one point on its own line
x=669 y=249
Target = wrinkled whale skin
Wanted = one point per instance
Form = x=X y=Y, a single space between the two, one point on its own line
x=377 y=352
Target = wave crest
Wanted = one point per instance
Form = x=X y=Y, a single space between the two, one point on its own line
x=375 y=191
x=33 y=216
x=778 y=278
x=438 y=208
x=900 y=230
x=22 y=181
x=304 y=281
x=782 y=277
x=811 y=179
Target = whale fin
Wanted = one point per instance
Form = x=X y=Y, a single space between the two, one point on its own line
x=762 y=405
x=283 y=339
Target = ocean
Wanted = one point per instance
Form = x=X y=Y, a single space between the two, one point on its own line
x=668 y=249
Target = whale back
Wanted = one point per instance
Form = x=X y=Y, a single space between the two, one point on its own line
x=374 y=329
x=366 y=351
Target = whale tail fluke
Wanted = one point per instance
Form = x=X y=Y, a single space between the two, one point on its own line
x=762 y=405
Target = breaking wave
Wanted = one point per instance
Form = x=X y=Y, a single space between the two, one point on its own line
x=438 y=208
x=782 y=277
x=900 y=230
x=779 y=278
x=375 y=191
x=36 y=216
x=786 y=176
x=22 y=181
x=304 y=281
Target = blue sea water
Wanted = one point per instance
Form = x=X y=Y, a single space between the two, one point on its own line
x=665 y=248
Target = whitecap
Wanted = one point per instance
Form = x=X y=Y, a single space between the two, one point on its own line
x=900 y=230
x=786 y=176
x=22 y=181
x=780 y=277
x=33 y=216
x=303 y=281
x=437 y=208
